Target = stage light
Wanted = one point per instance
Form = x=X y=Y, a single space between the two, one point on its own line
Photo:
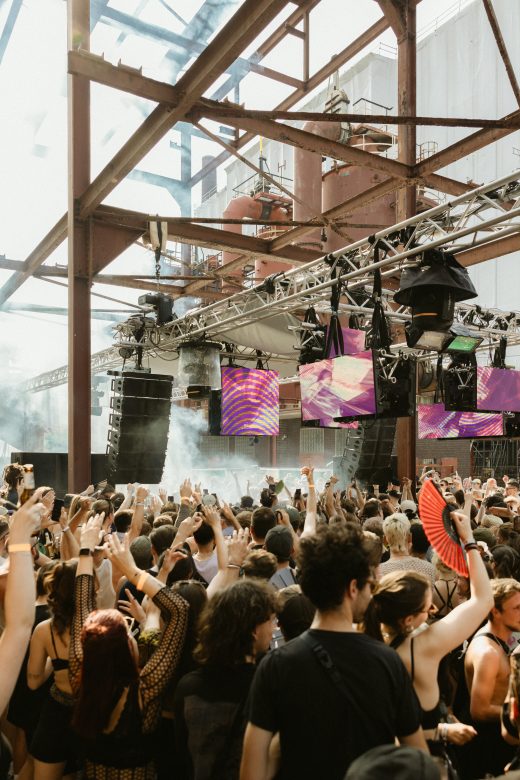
x=161 y=304
x=199 y=368
x=461 y=340
x=431 y=289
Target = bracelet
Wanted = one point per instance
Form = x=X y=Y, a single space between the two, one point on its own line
x=64 y=530
x=16 y=548
x=233 y=566
x=139 y=503
x=471 y=546
x=86 y=552
x=310 y=484
x=141 y=580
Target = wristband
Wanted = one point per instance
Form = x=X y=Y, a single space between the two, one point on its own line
x=310 y=484
x=143 y=576
x=67 y=528
x=471 y=545
x=233 y=566
x=86 y=552
x=16 y=548
x=139 y=503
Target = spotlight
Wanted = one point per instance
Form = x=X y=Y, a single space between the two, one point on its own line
x=459 y=381
x=431 y=289
x=162 y=305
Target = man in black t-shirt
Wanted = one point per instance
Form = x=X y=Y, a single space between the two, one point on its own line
x=326 y=719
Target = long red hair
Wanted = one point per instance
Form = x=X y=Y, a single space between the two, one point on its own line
x=108 y=668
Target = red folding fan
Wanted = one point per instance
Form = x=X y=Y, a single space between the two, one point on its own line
x=439 y=528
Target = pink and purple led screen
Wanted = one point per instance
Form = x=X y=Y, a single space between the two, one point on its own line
x=339 y=387
x=436 y=423
x=498 y=389
x=353 y=342
x=250 y=402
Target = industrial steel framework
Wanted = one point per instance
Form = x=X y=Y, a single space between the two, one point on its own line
x=97 y=233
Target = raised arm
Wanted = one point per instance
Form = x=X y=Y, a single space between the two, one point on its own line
x=236 y=552
x=160 y=668
x=84 y=599
x=138 y=516
x=450 y=632
x=19 y=595
x=309 y=527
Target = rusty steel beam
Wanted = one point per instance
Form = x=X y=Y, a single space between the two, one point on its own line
x=502 y=48
x=200 y=235
x=489 y=251
x=222 y=111
x=364 y=40
x=283 y=30
x=394 y=12
x=80 y=257
x=235 y=36
x=406 y=429
x=40 y=253
x=320 y=145
x=218 y=55
x=472 y=143
x=174 y=291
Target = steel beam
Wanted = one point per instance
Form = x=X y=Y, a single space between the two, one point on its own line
x=218 y=55
x=201 y=235
x=79 y=258
x=472 y=143
x=493 y=21
x=350 y=51
x=406 y=433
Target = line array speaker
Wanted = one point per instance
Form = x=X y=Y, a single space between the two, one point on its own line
x=139 y=425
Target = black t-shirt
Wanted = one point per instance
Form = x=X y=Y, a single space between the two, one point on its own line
x=320 y=732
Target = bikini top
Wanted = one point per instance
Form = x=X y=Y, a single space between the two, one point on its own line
x=429 y=718
x=58 y=664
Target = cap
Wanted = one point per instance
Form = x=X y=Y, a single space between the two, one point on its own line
x=384 y=761
x=408 y=506
x=279 y=541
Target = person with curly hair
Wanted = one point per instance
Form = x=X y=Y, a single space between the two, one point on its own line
x=235 y=628
x=332 y=693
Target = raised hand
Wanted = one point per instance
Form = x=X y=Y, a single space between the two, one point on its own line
x=211 y=516
x=171 y=557
x=141 y=493
x=237 y=546
x=91 y=531
x=185 y=489
x=26 y=520
x=119 y=553
x=132 y=607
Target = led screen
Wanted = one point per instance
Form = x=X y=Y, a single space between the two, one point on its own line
x=498 y=389
x=250 y=402
x=353 y=342
x=339 y=387
x=434 y=422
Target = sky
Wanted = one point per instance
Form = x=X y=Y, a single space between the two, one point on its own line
x=33 y=129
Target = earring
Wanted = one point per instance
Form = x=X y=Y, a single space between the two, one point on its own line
x=409 y=629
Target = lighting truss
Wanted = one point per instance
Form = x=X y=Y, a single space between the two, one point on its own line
x=483 y=215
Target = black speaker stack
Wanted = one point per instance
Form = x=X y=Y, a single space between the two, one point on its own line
x=139 y=425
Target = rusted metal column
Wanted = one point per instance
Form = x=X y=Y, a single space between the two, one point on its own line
x=407 y=197
x=79 y=250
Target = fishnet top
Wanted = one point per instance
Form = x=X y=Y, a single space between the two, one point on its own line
x=160 y=668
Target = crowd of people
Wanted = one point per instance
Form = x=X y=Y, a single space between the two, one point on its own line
x=284 y=636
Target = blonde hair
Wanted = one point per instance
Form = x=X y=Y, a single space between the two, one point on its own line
x=502 y=589
x=441 y=568
x=396 y=529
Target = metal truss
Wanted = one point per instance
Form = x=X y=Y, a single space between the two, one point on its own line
x=486 y=214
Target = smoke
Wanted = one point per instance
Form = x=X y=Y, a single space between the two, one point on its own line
x=217 y=471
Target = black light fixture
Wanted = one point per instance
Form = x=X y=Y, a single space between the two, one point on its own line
x=161 y=304
x=431 y=289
